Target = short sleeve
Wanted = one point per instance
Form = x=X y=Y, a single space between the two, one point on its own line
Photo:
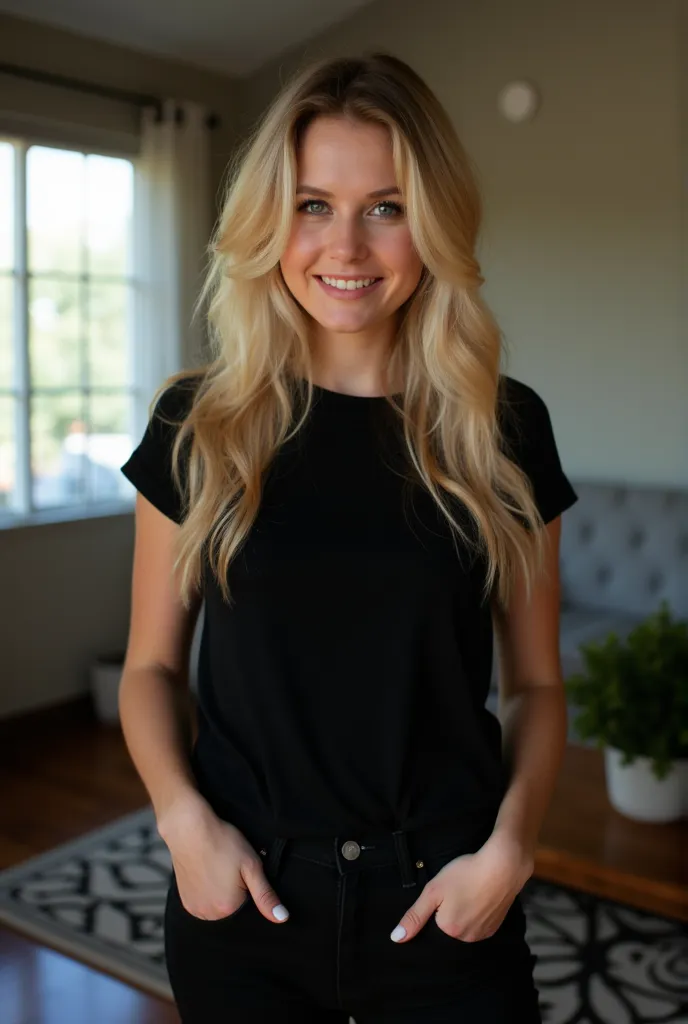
x=149 y=467
x=530 y=443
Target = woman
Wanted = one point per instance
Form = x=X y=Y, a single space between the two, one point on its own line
x=358 y=496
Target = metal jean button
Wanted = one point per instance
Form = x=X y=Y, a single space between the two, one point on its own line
x=351 y=849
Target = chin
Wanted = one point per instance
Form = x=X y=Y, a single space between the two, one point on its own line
x=348 y=326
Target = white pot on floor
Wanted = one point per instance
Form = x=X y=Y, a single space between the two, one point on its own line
x=635 y=791
x=105 y=678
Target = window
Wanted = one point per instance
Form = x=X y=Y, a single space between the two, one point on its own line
x=67 y=295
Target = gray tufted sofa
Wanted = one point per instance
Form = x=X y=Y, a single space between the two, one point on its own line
x=623 y=549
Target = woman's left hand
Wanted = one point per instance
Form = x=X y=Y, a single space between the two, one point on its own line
x=471 y=893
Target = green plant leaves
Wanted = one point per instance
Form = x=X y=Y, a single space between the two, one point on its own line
x=634 y=695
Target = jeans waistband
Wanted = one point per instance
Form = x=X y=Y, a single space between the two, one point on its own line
x=357 y=851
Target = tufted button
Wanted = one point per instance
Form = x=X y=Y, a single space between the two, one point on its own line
x=603 y=574
x=683 y=544
x=350 y=849
x=654 y=582
x=586 y=531
x=636 y=539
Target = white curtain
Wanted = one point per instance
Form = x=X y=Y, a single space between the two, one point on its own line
x=172 y=224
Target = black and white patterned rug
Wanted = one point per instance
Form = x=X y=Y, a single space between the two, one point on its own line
x=101 y=899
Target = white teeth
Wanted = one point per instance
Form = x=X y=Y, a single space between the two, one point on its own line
x=338 y=282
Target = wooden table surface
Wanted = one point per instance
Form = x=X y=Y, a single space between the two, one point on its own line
x=587 y=844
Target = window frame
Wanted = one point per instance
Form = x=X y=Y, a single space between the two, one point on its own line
x=21 y=388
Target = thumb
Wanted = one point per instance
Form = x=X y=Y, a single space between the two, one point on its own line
x=415 y=918
x=264 y=896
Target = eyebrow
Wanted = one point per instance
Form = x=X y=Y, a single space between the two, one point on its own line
x=371 y=195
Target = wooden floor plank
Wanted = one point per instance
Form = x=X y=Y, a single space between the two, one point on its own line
x=40 y=986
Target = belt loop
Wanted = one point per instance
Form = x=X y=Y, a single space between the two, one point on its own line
x=274 y=857
x=402 y=850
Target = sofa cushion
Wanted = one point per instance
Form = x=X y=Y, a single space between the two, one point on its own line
x=581 y=626
x=625 y=547
x=589 y=625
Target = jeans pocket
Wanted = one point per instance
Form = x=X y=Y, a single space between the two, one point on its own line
x=175 y=899
x=512 y=925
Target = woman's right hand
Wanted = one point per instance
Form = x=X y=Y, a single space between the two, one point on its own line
x=216 y=867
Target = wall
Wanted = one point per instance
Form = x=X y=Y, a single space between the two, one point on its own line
x=65 y=587
x=582 y=244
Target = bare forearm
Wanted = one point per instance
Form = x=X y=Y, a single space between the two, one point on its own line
x=155 y=712
x=534 y=728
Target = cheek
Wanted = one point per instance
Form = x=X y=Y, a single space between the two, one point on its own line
x=300 y=252
x=400 y=255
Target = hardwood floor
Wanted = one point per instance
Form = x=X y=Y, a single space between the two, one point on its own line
x=40 y=986
x=63 y=774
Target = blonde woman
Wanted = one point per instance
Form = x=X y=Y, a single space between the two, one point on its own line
x=360 y=498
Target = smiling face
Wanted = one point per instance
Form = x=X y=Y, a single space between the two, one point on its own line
x=350 y=261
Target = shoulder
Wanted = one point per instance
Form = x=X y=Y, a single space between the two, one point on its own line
x=150 y=465
x=527 y=438
x=176 y=399
x=171 y=408
x=522 y=414
x=518 y=401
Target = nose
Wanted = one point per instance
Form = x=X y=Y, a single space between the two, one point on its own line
x=346 y=239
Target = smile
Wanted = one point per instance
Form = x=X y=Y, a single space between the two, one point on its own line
x=348 y=288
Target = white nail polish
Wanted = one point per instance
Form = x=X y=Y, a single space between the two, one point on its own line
x=398 y=933
x=280 y=912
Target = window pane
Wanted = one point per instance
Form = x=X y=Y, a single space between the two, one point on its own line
x=7 y=452
x=108 y=333
x=109 y=191
x=6 y=318
x=58 y=445
x=6 y=206
x=109 y=446
x=54 y=329
x=55 y=209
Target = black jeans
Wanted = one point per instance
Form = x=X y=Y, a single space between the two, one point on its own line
x=333 y=958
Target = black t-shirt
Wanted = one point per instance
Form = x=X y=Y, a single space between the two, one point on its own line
x=345 y=687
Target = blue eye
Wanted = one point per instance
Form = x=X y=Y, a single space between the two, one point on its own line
x=396 y=208
x=310 y=202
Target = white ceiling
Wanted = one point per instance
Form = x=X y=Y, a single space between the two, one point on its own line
x=233 y=37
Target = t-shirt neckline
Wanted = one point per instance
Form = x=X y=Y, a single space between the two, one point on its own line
x=343 y=396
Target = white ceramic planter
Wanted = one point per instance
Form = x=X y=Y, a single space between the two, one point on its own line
x=635 y=791
x=106 y=675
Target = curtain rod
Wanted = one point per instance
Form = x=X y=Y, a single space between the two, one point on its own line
x=137 y=99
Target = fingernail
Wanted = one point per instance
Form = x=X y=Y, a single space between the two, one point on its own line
x=280 y=912
x=398 y=933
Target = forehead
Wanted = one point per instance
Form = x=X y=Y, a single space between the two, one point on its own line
x=340 y=154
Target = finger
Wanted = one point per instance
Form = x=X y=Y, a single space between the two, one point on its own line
x=264 y=896
x=415 y=917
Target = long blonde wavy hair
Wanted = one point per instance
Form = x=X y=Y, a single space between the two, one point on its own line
x=447 y=348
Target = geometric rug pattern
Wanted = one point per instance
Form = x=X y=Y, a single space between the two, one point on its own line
x=100 y=899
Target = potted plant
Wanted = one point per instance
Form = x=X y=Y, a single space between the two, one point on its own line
x=633 y=699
